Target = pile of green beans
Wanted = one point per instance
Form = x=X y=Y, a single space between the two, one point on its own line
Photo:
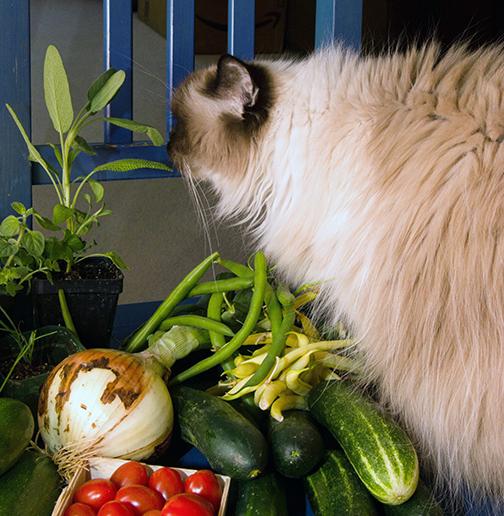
x=277 y=303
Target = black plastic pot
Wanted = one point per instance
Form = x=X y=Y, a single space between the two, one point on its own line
x=18 y=308
x=54 y=345
x=92 y=303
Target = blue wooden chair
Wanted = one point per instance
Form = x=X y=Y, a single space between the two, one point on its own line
x=334 y=18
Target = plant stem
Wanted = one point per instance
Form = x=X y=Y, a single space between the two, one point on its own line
x=67 y=317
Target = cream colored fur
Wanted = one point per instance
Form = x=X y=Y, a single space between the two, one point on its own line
x=386 y=176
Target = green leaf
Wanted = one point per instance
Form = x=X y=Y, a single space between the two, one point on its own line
x=45 y=223
x=117 y=260
x=57 y=91
x=81 y=144
x=74 y=243
x=57 y=153
x=87 y=198
x=99 y=83
x=7 y=249
x=10 y=226
x=153 y=134
x=123 y=165
x=34 y=154
x=61 y=213
x=18 y=208
x=12 y=288
x=72 y=155
x=97 y=188
x=107 y=92
x=34 y=242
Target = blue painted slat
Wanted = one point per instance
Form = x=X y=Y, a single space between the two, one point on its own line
x=15 y=176
x=118 y=54
x=339 y=20
x=179 y=47
x=84 y=163
x=241 y=26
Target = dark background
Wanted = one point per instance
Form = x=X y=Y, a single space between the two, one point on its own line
x=402 y=22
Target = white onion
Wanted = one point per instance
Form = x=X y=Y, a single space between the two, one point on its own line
x=110 y=401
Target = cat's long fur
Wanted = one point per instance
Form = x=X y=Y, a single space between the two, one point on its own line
x=384 y=175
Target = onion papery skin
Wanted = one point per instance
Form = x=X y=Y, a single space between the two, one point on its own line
x=110 y=398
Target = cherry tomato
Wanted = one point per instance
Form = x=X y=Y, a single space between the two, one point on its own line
x=80 y=509
x=187 y=504
x=205 y=484
x=167 y=482
x=130 y=472
x=141 y=498
x=116 y=508
x=95 y=492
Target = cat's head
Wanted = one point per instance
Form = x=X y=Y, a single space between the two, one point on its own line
x=220 y=113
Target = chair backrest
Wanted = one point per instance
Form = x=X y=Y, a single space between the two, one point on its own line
x=340 y=19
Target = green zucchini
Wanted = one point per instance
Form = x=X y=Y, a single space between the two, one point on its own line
x=31 y=487
x=422 y=503
x=379 y=450
x=262 y=496
x=232 y=445
x=295 y=443
x=334 y=488
x=16 y=429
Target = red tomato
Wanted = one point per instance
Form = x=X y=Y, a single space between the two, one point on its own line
x=116 y=508
x=141 y=498
x=205 y=484
x=131 y=472
x=154 y=512
x=187 y=504
x=80 y=509
x=95 y=492
x=167 y=482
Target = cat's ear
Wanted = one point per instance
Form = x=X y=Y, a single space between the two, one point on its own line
x=234 y=81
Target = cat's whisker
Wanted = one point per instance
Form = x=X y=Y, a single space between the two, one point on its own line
x=202 y=206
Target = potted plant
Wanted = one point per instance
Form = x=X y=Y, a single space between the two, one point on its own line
x=21 y=256
x=28 y=357
x=65 y=262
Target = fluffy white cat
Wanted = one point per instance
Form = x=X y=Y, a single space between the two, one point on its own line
x=384 y=175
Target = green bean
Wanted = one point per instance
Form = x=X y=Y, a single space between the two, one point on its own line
x=139 y=338
x=214 y=308
x=277 y=346
x=218 y=340
x=242 y=271
x=185 y=308
x=253 y=315
x=274 y=309
x=198 y=321
x=223 y=285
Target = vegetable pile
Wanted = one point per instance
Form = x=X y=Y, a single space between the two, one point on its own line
x=286 y=393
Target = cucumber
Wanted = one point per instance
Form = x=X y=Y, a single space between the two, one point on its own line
x=379 y=450
x=262 y=496
x=422 y=503
x=335 y=488
x=232 y=445
x=295 y=443
x=16 y=429
x=31 y=487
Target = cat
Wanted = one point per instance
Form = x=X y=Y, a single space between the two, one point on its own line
x=383 y=177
